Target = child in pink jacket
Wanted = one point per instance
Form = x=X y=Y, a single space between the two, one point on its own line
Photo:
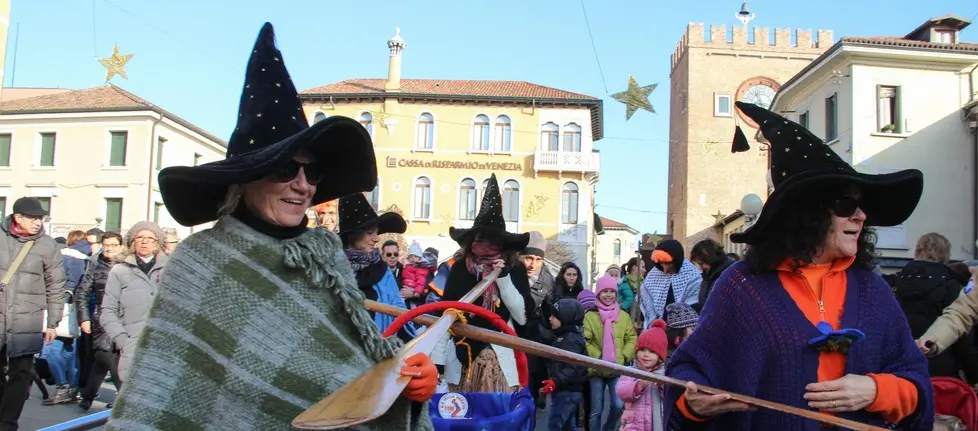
x=643 y=400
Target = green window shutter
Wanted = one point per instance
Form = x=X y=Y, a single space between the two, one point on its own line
x=113 y=214
x=3 y=206
x=47 y=149
x=4 y=150
x=46 y=204
x=159 y=153
x=898 y=111
x=117 y=153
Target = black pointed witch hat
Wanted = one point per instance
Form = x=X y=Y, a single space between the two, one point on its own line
x=271 y=129
x=356 y=214
x=802 y=166
x=490 y=222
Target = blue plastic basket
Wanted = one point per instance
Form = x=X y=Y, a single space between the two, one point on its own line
x=514 y=411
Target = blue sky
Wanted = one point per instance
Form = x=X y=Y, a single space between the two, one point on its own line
x=190 y=55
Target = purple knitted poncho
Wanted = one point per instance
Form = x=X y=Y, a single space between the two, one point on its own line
x=752 y=339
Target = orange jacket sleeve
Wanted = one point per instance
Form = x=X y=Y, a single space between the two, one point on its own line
x=896 y=398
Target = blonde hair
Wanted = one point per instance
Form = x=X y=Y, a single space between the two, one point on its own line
x=231 y=200
x=933 y=247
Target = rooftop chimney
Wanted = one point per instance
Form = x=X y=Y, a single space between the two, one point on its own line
x=396 y=45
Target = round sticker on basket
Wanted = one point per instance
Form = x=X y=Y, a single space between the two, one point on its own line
x=452 y=405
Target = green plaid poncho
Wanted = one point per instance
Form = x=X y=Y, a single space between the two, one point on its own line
x=248 y=331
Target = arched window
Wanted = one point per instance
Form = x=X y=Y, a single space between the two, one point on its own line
x=617 y=250
x=373 y=197
x=422 y=198
x=426 y=132
x=480 y=133
x=549 y=140
x=467 y=197
x=318 y=117
x=572 y=138
x=511 y=201
x=504 y=134
x=568 y=203
x=367 y=121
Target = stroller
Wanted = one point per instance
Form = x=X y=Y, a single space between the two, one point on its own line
x=953 y=397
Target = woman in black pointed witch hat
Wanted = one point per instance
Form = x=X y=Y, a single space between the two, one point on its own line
x=258 y=317
x=359 y=229
x=485 y=246
x=804 y=320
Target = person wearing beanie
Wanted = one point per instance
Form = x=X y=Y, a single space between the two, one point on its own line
x=643 y=399
x=566 y=382
x=671 y=279
x=419 y=270
x=538 y=326
x=610 y=337
x=680 y=323
x=129 y=290
x=588 y=300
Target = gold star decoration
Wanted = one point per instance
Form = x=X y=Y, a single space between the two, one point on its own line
x=719 y=216
x=635 y=97
x=115 y=65
x=710 y=147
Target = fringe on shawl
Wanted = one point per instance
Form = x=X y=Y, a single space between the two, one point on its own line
x=320 y=255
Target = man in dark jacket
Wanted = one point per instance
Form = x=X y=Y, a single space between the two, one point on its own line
x=34 y=286
x=709 y=256
x=924 y=288
x=537 y=327
x=566 y=381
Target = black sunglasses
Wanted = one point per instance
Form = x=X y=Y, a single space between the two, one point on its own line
x=288 y=171
x=846 y=206
x=391 y=254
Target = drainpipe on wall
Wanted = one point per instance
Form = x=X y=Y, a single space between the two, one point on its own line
x=153 y=139
x=974 y=196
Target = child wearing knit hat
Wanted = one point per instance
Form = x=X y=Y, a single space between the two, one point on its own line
x=611 y=337
x=680 y=322
x=588 y=300
x=644 y=400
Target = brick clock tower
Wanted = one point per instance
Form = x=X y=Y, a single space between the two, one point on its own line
x=709 y=72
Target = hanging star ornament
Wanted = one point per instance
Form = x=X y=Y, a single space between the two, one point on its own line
x=115 y=65
x=635 y=97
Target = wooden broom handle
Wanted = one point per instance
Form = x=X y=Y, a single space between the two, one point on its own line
x=553 y=353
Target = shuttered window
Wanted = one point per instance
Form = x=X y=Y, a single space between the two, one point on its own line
x=117 y=150
x=4 y=150
x=47 y=149
x=113 y=214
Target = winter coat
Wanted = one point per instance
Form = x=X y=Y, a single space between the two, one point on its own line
x=76 y=258
x=626 y=296
x=924 y=290
x=570 y=338
x=416 y=277
x=37 y=286
x=377 y=283
x=709 y=279
x=92 y=291
x=129 y=294
x=625 y=339
x=538 y=325
x=643 y=410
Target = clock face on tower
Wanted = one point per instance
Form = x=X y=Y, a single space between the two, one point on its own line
x=759 y=91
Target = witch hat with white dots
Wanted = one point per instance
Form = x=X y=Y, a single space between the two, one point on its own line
x=490 y=222
x=356 y=214
x=271 y=129
x=803 y=167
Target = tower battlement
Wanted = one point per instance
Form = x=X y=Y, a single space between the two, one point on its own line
x=735 y=38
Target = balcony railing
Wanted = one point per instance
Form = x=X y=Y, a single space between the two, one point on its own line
x=566 y=161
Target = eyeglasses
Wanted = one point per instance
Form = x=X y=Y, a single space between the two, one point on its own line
x=111 y=245
x=146 y=239
x=391 y=254
x=846 y=206
x=288 y=171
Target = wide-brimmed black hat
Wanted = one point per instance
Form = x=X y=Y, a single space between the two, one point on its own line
x=356 y=214
x=490 y=222
x=803 y=166
x=271 y=129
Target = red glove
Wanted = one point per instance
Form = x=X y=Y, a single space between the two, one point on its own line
x=424 y=378
x=548 y=386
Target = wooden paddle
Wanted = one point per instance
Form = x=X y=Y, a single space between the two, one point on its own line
x=374 y=392
x=553 y=353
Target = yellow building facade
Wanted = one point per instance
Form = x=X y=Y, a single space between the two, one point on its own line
x=438 y=141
